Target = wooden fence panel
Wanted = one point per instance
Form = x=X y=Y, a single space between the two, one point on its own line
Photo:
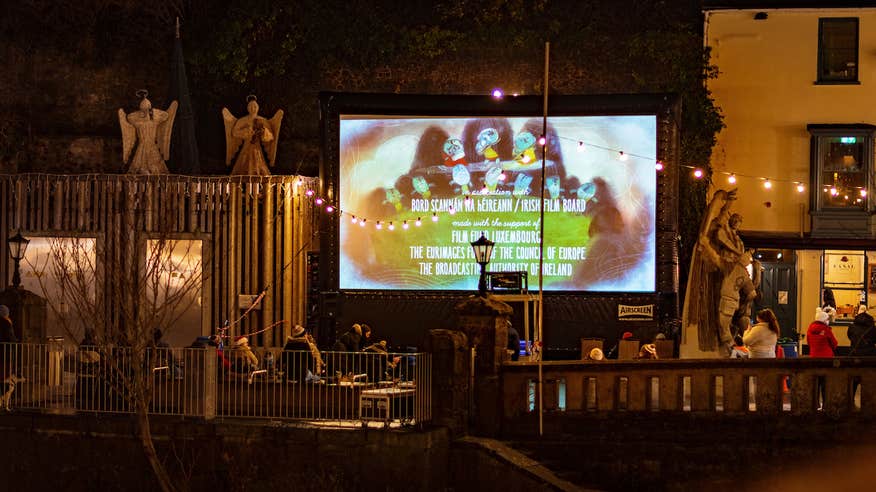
x=257 y=232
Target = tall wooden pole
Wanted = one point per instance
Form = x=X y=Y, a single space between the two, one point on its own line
x=540 y=317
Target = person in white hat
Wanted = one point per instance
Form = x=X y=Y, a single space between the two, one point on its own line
x=301 y=357
x=240 y=348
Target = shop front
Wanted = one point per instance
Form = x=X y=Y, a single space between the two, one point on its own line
x=801 y=274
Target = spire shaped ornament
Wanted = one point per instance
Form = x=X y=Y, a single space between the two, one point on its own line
x=184 y=155
x=146 y=136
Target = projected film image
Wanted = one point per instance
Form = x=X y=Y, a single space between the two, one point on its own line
x=436 y=184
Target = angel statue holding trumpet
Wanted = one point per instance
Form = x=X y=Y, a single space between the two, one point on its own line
x=255 y=136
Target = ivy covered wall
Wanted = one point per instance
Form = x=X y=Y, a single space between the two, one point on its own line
x=70 y=64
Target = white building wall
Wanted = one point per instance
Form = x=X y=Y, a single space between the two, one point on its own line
x=767 y=92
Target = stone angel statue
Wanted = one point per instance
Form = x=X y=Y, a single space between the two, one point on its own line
x=146 y=136
x=710 y=303
x=255 y=136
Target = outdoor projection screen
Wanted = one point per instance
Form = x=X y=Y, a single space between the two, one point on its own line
x=483 y=175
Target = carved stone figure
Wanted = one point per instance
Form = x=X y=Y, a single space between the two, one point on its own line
x=146 y=132
x=737 y=292
x=719 y=288
x=255 y=136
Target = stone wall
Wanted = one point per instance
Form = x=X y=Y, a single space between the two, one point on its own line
x=98 y=452
x=688 y=452
x=88 y=452
x=60 y=110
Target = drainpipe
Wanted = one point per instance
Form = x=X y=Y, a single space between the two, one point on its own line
x=706 y=16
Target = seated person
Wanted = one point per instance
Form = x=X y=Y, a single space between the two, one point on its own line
x=351 y=340
x=243 y=359
x=366 y=337
x=224 y=362
x=380 y=366
x=595 y=354
x=739 y=350
x=647 y=351
x=164 y=356
x=301 y=357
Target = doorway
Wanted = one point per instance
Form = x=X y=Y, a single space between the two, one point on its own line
x=779 y=293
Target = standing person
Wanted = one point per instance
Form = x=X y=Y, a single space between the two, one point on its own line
x=761 y=338
x=862 y=334
x=7 y=336
x=862 y=337
x=7 y=333
x=513 y=342
x=828 y=299
x=822 y=342
x=346 y=363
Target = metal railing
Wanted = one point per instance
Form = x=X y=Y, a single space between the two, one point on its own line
x=358 y=387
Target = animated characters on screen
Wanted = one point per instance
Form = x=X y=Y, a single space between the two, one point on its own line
x=487 y=158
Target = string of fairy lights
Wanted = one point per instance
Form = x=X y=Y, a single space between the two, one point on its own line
x=847 y=193
x=837 y=192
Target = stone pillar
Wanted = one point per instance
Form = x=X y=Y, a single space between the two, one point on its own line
x=451 y=379
x=484 y=321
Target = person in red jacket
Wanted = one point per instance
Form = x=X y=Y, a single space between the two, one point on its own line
x=822 y=342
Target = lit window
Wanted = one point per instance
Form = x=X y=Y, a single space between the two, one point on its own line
x=842 y=161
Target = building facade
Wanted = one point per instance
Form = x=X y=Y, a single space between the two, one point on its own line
x=795 y=87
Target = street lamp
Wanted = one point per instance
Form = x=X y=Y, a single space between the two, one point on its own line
x=17 y=248
x=483 y=248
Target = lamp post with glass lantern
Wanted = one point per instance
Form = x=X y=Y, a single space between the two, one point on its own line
x=17 y=248
x=483 y=249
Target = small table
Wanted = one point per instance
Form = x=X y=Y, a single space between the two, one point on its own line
x=387 y=404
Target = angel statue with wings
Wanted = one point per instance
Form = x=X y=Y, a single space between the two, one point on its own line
x=719 y=287
x=255 y=136
x=146 y=135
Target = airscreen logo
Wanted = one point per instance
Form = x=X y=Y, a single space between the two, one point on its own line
x=645 y=311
